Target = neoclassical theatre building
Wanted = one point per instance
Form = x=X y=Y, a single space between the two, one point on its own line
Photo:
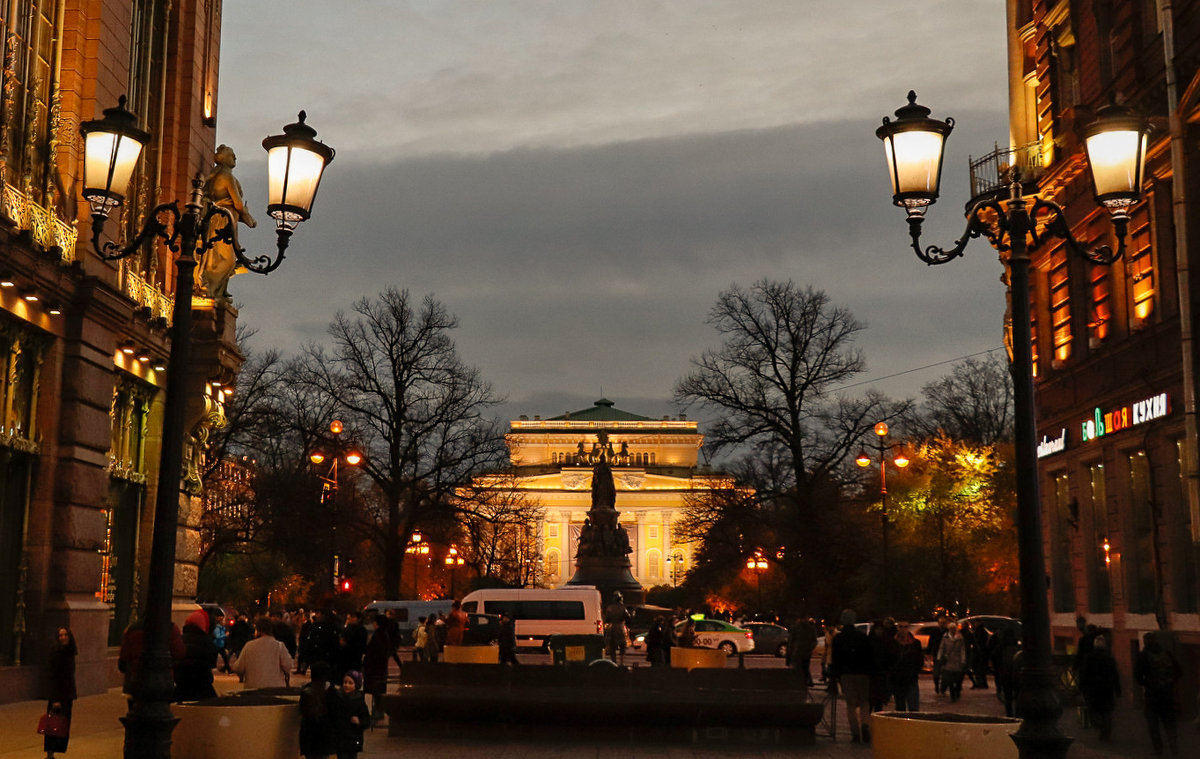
x=656 y=469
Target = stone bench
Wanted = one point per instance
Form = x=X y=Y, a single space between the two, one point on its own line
x=491 y=700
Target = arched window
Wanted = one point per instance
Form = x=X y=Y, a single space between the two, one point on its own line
x=552 y=572
x=653 y=565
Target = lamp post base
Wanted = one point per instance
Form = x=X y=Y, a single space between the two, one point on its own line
x=148 y=736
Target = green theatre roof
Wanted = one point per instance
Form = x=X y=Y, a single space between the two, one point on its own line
x=601 y=411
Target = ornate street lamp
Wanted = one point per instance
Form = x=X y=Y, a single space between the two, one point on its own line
x=418 y=547
x=112 y=146
x=454 y=560
x=329 y=490
x=757 y=564
x=1116 y=146
x=900 y=461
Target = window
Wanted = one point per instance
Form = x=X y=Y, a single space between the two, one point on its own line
x=1139 y=555
x=1140 y=266
x=1060 y=303
x=653 y=531
x=1099 y=582
x=552 y=531
x=552 y=566
x=1033 y=330
x=1101 y=304
x=536 y=609
x=1062 y=581
x=653 y=565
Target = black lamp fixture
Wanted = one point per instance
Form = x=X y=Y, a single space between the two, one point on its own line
x=112 y=146
x=1116 y=148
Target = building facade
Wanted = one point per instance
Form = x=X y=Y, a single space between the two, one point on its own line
x=1113 y=348
x=656 y=470
x=86 y=340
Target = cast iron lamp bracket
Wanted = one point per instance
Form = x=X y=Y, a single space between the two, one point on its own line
x=989 y=218
x=195 y=225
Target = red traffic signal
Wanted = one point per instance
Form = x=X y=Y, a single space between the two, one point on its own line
x=346 y=585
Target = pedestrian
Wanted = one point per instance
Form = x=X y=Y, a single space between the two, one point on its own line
x=935 y=641
x=952 y=655
x=908 y=659
x=380 y=646
x=320 y=710
x=687 y=636
x=420 y=639
x=882 y=661
x=830 y=630
x=1004 y=662
x=323 y=638
x=304 y=641
x=355 y=717
x=850 y=666
x=129 y=657
x=1157 y=671
x=220 y=638
x=1100 y=684
x=802 y=640
x=654 y=643
x=264 y=662
x=456 y=624
x=284 y=632
x=194 y=674
x=430 y=646
x=975 y=636
x=669 y=639
x=241 y=632
x=508 y=639
x=616 y=627
x=60 y=677
x=352 y=645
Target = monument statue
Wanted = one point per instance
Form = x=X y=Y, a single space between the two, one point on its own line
x=222 y=189
x=602 y=556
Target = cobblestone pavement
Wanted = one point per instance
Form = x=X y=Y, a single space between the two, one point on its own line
x=97 y=734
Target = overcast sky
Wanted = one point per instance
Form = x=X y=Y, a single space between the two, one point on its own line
x=578 y=180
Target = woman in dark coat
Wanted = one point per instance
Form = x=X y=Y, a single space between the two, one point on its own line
x=61 y=672
x=1100 y=684
x=194 y=674
x=380 y=647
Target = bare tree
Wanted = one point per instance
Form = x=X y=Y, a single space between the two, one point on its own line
x=773 y=379
x=394 y=375
x=972 y=404
x=497 y=518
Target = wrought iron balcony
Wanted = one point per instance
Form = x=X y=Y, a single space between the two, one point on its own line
x=994 y=171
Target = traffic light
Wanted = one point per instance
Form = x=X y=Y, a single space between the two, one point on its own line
x=346 y=585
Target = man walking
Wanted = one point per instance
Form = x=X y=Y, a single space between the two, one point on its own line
x=850 y=667
x=1157 y=671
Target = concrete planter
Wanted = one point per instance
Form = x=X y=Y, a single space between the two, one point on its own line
x=932 y=735
x=697 y=658
x=471 y=655
x=263 y=727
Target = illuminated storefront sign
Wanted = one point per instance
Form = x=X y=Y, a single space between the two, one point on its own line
x=1048 y=446
x=1107 y=422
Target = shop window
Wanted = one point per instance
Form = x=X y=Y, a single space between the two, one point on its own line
x=1096 y=558
x=1139 y=556
x=1184 y=580
x=1062 y=581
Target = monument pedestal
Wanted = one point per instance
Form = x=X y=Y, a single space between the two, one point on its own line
x=609 y=574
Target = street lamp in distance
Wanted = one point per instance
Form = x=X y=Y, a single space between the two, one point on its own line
x=418 y=548
x=454 y=560
x=1116 y=142
x=757 y=564
x=900 y=461
x=329 y=491
x=112 y=146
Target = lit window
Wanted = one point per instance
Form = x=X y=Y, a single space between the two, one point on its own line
x=1141 y=269
x=1060 y=303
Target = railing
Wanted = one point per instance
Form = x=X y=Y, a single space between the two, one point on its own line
x=994 y=170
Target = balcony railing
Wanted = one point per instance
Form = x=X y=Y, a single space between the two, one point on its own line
x=994 y=171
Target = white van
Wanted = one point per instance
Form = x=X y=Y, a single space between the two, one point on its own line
x=407 y=613
x=541 y=612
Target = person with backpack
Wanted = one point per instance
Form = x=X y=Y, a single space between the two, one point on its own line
x=1157 y=671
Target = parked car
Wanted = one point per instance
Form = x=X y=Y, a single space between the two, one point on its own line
x=769 y=638
x=713 y=633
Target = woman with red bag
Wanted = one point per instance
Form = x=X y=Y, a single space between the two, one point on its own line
x=61 y=671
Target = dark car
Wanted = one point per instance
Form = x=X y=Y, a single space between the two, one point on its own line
x=768 y=638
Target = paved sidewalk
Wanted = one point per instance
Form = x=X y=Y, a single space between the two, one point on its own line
x=97 y=734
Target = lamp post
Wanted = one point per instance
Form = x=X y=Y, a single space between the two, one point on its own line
x=756 y=564
x=112 y=145
x=900 y=461
x=1116 y=148
x=417 y=547
x=454 y=560
x=676 y=563
x=329 y=490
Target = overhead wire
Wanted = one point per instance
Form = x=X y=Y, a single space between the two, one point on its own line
x=918 y=369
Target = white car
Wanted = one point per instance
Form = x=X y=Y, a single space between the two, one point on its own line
x=713 y=633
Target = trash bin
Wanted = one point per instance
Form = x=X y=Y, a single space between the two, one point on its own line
x=579 y=649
